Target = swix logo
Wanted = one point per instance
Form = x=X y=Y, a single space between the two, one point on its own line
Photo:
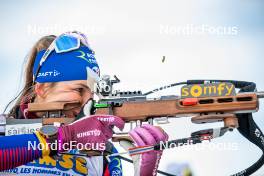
x=241 y=173
x=49 y=73
x=258 y=134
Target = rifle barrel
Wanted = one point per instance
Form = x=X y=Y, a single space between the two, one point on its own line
x=260 y=94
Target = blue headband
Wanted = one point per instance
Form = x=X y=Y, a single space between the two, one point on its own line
x=79 y=64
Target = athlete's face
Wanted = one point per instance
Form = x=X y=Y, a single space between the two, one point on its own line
x=64 y=92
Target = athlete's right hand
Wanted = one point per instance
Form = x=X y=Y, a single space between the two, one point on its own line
x=95 y=129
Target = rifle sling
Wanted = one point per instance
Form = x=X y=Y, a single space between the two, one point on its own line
x=250 y=130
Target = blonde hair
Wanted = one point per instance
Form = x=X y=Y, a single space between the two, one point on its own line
x=27 y=90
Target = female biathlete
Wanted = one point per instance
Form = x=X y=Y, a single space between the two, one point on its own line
x=64 y=69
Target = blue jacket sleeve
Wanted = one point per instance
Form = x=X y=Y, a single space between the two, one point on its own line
x=17 y=150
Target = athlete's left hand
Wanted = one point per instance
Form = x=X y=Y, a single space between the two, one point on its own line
x=148 y=162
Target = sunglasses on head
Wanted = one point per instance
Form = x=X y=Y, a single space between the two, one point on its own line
x=66 y=42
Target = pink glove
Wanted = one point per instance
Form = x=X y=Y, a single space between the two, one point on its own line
x=149 y=161
x=94 y=130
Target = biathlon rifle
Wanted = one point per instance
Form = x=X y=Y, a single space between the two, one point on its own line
x=205 y=101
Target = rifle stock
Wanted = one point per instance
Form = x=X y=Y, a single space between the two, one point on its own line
x=142 y=110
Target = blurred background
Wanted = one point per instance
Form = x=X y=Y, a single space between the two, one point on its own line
x=200 y=39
